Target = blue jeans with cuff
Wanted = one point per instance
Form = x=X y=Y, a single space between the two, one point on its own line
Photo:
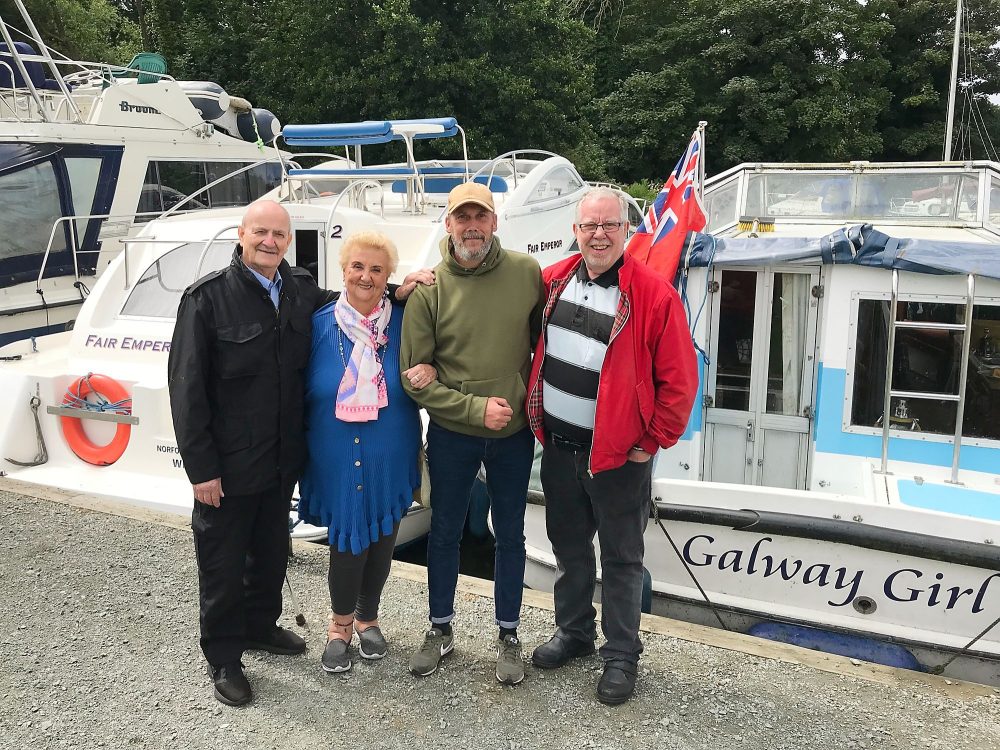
x=453 y=461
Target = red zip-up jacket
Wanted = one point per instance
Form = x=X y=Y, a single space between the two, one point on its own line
x=649 y=377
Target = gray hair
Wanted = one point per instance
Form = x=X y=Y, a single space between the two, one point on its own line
x=596 y=193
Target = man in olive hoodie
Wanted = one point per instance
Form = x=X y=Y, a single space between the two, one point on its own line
x=477 y=325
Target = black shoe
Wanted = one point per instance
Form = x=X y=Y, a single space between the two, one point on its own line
x=278 y=641
x=231 y=686
x=617 y=683
x=557 y=651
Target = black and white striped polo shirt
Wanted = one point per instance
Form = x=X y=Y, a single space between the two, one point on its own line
x=576 y=340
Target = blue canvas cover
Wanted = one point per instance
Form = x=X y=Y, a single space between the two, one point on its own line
x=861 y=245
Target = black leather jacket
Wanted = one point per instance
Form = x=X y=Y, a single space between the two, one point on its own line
x=235 y=376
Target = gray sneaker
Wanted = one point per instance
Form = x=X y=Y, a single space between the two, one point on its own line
x=335 y=656
x=373 y=645
x=436 y=644
x=510 y=666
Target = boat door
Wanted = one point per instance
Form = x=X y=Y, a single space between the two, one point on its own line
x=759 y=395
x=309 y=246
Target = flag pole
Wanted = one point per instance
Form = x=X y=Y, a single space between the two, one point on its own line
x=702 y=124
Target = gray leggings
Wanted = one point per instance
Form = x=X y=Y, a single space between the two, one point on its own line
x=356 y=581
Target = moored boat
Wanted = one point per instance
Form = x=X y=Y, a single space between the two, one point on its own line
x=814 y=498
x=125 y=448
x=89 y=152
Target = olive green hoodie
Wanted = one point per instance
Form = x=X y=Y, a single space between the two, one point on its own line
x=477 y=327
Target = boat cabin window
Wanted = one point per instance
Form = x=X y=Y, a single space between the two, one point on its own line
x=40 y=183
x=931 y=196
x=928 y=361
x=994 y=209
x=560 y=181
x=167 y=183
x=721 y=206
x=83 y=176
x=158 y=291
x=31 y=207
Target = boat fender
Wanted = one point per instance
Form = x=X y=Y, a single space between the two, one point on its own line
x=111 y=392
x=209 y=98
x=843 y=644
x=267 y=125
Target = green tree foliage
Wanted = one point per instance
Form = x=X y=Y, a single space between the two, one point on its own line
x=210 y=40
x=775 y=79
x=514 y=72
x=616 y=85
x=90 y=30
x=785 y=80
x=917 y=53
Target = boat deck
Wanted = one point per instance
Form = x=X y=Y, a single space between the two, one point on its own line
x=98 y=634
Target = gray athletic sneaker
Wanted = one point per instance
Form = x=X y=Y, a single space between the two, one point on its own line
x=373 y=645
x=335 y=656
x=510 y=666
x=436 y=644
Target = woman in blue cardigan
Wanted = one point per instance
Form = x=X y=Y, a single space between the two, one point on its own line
x=363 y=435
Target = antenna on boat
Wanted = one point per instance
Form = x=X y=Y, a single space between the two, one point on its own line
x=953 y=89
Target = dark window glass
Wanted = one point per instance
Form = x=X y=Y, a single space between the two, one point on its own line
x=149 y=198
x=928 y=362
x=178 y=179
x=234 y=191
x=738 y=291
x=263 y=179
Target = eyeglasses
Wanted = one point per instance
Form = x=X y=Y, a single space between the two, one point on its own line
x=608 y=226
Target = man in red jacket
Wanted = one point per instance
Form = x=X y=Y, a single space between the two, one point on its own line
x=612 y=381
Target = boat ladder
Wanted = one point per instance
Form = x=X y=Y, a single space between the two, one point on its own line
x=959 y=398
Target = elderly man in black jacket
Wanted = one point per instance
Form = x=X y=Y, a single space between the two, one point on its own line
x=239 y=351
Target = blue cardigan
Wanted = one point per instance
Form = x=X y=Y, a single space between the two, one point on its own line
x=360 y=476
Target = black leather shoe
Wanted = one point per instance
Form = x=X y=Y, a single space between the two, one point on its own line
x=278 y=641
x=617 y=683
x=231 y=686
x=557 y=651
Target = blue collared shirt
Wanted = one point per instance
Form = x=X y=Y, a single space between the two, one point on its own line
x=273 y=288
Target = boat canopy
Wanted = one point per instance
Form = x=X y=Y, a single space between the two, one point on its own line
x=860 y=244
x=369 y=132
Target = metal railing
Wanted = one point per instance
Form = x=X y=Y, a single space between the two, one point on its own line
x=959 y=399
x=49 y=105
x=131 y=217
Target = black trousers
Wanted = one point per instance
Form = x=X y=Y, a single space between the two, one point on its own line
x=613 y=505
x=242 y=552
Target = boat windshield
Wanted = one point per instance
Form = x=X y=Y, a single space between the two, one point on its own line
x=944 y=195
x=882 y=196
x=158 y=291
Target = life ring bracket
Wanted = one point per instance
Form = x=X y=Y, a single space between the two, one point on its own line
x=100 y=416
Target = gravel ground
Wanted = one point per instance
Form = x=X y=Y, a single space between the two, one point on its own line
x=99 y=648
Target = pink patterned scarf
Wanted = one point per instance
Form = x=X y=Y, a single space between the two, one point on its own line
x=362 y=390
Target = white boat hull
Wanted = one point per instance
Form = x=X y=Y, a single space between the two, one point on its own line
x=932 y=608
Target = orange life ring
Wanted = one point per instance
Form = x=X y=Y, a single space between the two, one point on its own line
x=72 y=427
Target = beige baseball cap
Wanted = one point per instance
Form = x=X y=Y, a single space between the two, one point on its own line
x=470 y=192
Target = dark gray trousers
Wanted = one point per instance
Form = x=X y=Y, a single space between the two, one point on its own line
x=356 y=581
x=615 y=506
